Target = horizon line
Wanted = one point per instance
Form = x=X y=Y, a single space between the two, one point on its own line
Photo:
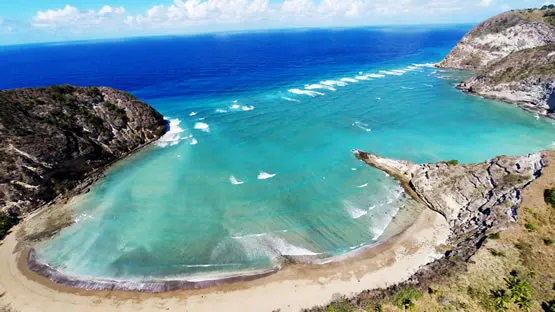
x=229 y=32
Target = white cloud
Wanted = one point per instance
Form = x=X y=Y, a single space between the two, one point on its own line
x=193 y=15
x=485 y=3
x=71 y=16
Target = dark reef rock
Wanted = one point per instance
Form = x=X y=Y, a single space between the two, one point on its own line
x=53 y=138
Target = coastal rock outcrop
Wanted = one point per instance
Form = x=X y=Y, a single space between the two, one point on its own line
x=513 y=56
x=474 y=198
x=53 y=138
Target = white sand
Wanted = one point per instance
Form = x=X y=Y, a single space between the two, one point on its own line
x=296 y=287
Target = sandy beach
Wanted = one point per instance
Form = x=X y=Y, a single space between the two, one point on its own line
x=298 y=286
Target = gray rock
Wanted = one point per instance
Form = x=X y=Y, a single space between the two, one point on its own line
x=473 y=198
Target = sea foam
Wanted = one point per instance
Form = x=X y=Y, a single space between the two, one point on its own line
x=305 y=92
x=202 y=126
x=362 y=126
x=353 y=211
x=247 y=108
x=318 y=86
x=173 y=135
x=290 y=99
x=264 y=175
x=234 y=181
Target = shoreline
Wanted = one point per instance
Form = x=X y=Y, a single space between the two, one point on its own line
x=388 y=263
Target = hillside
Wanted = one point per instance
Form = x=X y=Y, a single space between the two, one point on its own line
x=513 y=56
x=53 y=138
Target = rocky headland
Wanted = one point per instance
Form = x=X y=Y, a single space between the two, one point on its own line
x=474 y=198
x=56 y=140
x=513 y=57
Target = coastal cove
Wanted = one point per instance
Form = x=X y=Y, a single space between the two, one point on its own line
x=254 y=190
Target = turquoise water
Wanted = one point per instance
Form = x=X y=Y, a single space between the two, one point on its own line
x=244 y=178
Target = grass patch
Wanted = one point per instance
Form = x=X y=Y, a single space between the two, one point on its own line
x=496 y=253
x=548 y=241
x=453 y=162
x=495 y=236
x=531 y=227
x=406 y=298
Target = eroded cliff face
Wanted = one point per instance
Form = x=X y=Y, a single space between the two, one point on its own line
x=473 y=198
x=53 y=138
x=513 y=55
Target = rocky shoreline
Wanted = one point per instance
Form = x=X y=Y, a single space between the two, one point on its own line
x=513 y=58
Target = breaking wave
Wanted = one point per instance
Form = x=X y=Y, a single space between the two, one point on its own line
x=234 y=181
x=202 y=127
x=173 y=135
x=264 y=175
x=305 y=92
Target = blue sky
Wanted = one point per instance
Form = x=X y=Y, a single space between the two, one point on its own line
x=27 y=21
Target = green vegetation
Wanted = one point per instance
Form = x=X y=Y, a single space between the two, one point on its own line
x=496 y=235
x=496 y=253
x=6 y=223
x=514 y=179
x=93 y=91
x=517 y=291
x=453 y=162
x=406 y=298
x=549 y=306
x=118 y=111
x=531 y=227
x=549 y=196
x=548 y=241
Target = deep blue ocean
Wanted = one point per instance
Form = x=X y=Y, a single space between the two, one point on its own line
x=257 y=164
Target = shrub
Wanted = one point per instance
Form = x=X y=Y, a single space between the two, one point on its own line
x=93 y=91
x=406 y=298
x=514 y=179
x=521 y=292
x=453 y=162
x=501 y=299
x=6 y=223
x=549 y=306
x=548 y=241
x=549 y=196
x=496 y=253
x=495 y=236
x=118 y=111
x=531 y=227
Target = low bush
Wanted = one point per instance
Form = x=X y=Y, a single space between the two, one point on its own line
x=531 y=227
x=6 y=223
x=453 y=162
x=549 y=196
x=495 y=236
x=406 y=298
x=548 y=241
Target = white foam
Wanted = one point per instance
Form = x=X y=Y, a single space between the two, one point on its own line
x=318 y=86
x=387 y=72
x=202 y=118
x=399 y=71
x=412 y=67
x=247 y=108
x=363 y=185
x=305 y=92
x=234 y=181
x=425 y=65
x=193 y=114
x=375 y=75
x=354 y=169
x=235 y=106
x=353 y=211
x=428 y=85
x=407 y=88
x=264 y=175
x=202 y=126
x=360 y=73
x=290 y=99
x=362 y=126
x=194 y=141
x=379 y=98
x=333 y=83
x=349 y=80
x=362 y=77
x=248 y=235
x=220 y=111
x=173 y=136
x=235 y=101
x=285 y=248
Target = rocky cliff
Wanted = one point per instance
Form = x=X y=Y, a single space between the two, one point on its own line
x=513 y=55
x=473 y=198
x=53 y=138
